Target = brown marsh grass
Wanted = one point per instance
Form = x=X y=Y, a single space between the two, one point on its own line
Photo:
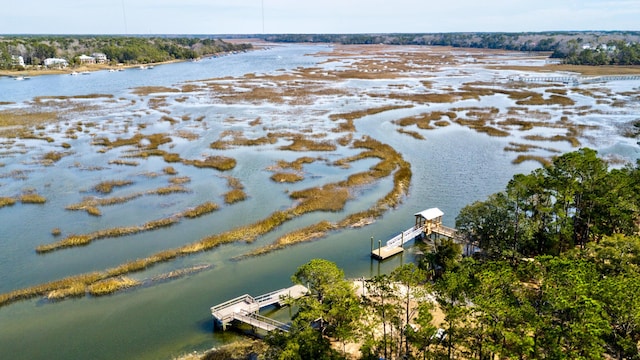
x=413 y=134
x=111 y=285
x=6 y=201
x=148 y=90
x=177 y=180
x=301 y=144
x=32 y=198
x=286 y=177
x=297 y=164
x=170 y=170
x=106 y=187
x=308 y=233
x=522 y=158
x=167 y=190
x=200 y=210
x=85 y=239
x=234 y=195
x=571 y=139
x=123 y=162
x=217 y=162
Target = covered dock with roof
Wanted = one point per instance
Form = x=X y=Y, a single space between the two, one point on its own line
x=427 y=222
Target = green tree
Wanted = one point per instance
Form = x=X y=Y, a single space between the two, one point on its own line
x=409 y=276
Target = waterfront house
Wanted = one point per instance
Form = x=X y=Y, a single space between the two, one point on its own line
x=55 y=63
x=100 y=58
x=17 y=60
x=84 y=59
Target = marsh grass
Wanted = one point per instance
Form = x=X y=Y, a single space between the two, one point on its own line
x=167 y=190
x=32 y=198
x=557 y=138
x=517 y=147
x=6 y=201
x=106 y=187
x=522 y=158
x=348 y=125
x=413 y=134
x=200 y=210
x=169 y=119
x=85 y=239
x=111 y=285
x=302 y=144
x=237 y=138
x=179 y=180
x=123 y=162
x=306 y=234
x=54 y=156
x=286 y=177
x=170 y=170
x=234 y=195
x=217 y=162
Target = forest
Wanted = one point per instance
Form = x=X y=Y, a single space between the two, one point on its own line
x=578 y=48
x=119 y=49
x=557 y=277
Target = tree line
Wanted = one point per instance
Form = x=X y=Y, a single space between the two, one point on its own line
x=611 y=53
x=557 y=278
x=119 y=49
x=605 y=47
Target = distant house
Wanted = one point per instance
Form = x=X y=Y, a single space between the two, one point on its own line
x=56 y=63
x=100 y=58
x=84 y=59
x=17 y=60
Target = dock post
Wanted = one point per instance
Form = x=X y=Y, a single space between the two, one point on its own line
x=402 y=240
x=372 y=244
x=380 y=249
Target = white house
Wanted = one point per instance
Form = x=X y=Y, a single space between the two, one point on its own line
x=100 y=58
x=84 y=59
x=17 y=60
x=56 y=62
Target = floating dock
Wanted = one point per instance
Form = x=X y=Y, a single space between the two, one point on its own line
x=246 y=308
x=427 y=222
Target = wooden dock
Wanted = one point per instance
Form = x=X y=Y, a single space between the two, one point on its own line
x=245 y=308
x=427 y=222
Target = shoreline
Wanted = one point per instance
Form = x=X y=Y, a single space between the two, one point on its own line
x=81 y=68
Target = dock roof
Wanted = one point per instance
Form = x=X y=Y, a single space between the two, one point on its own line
x=430 y=214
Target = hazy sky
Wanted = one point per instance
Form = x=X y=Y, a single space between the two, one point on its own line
x=300 y=16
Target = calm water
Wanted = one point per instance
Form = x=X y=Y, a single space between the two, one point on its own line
x=453 y=167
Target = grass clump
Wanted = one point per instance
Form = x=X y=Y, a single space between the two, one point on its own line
x=287 y=177
x=301 y=144
x=308 y=233
x=6 y=201
x=522 y=158
x=123 y=162
x=53 y=156
x=179 y=180
x=32 y=198
x=233 y=196
x=221 y=163
x=169 y=170
x=200 y=210
x=111 y=285
x=413 y=134
x=106 y=187
x=167 y=190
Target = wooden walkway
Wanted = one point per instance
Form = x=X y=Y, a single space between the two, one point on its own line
x=245 y=308
x=575 y=80
x=394 y=246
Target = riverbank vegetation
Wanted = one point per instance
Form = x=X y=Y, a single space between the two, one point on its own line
x=35 y=49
